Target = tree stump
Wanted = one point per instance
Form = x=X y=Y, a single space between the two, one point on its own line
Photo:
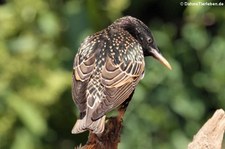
x=210 y=136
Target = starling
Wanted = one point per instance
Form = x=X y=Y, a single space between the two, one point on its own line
x=108 y=66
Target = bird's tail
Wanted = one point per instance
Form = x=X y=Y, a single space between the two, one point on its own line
x=86 y=123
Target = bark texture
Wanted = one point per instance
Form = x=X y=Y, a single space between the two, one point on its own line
x=109 y=139
x=210 y=136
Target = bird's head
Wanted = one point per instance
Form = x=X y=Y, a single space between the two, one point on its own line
x=144 y=36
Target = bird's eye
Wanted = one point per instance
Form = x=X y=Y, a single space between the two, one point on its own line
x=149 y=40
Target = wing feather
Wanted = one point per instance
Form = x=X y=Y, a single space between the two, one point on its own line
x=84 y=64
x=117 y=78
x=119 y=81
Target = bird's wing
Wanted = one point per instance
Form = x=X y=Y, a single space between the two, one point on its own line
x=120 y=79
x=84 y=64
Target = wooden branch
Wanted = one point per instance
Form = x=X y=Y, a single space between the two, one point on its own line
x=109 y=139
x=210 y=136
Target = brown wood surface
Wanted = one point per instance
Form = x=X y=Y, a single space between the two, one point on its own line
x=210 y=136
x=109 y=139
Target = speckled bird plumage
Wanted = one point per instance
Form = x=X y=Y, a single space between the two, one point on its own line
x=108 y=66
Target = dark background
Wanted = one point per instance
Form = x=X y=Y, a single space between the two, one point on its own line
x=38 y=41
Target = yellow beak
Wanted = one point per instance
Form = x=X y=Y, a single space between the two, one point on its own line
x=161 y=59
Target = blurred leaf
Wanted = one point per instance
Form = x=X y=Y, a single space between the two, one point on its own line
x=29 y=115
x=179 y=140
x=23 y=140
x=115 y=7
x=48 y=23
x=196 y=36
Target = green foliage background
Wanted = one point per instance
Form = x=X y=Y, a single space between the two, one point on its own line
x=38 y=41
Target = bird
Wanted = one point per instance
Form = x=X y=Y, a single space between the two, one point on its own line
x=107 y=67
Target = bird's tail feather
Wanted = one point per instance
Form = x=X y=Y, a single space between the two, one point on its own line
x=84 y=124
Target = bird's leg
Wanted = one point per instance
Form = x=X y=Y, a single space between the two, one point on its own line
x=122 y=109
